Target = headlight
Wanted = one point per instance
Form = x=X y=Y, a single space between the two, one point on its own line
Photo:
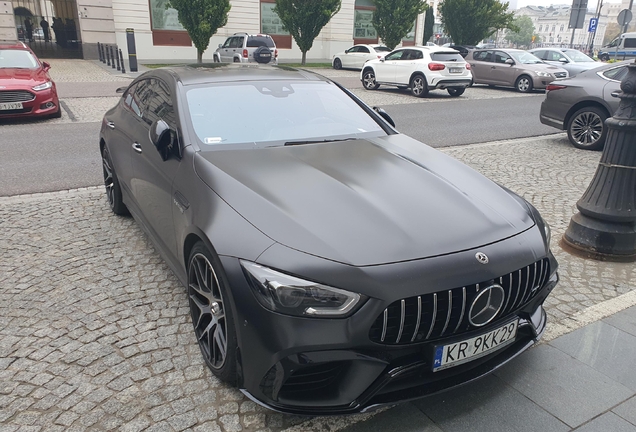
x=46 y=85
x=548 y=233
x=544 y=74
x=293 y=296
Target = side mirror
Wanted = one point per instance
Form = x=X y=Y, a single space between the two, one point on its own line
x=384 y=115
x=382 y=59
x=46 y=66
x=220 y=45
x=158 y=132
x=510 y=61
x=563 y=60
x=121 y=89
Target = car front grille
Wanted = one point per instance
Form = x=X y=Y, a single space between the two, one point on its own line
x=16 y=96
x=561 y=74
x=445 y=313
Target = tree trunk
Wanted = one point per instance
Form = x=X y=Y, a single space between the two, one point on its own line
x=304 y=60
x=199 y=56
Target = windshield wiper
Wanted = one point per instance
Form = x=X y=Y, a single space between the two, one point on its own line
x=291 y=143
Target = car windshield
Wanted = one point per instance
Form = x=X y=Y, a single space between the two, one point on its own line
x=525 y=57
x=17 y=59
x=577 y=56
x=270 y=113
x=381 y=49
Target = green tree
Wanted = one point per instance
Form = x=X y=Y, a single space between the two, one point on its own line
x=469 y=21
x=201 y=18
x=393 y=19
x=524 y=35
x=429 y=23
x=304 y=19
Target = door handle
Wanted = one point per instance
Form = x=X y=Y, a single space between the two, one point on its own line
x=110 y=124
x=615 y=93
x=137 y=147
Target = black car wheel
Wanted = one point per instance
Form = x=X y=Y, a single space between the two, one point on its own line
x=586 y=128
x=604 y=57
x=337 y=64
x=524 y=84
x=236 y=60
x=113 y=189
x=211 y=313
x=456 y=91
x=368 y=80
x=418 y=86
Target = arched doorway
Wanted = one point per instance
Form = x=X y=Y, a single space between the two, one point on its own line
x=49 y=27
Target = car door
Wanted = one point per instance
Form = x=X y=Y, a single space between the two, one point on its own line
x=362 y=55
x=502 y=72
x=613 y=85
x=407 y=65
x=224 y=52
x=347 y=58
x=237 y=47
x=385 y=70
x=481 y=65
x=152 y=175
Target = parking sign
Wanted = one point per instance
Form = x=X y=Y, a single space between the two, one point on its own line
x=593 y=24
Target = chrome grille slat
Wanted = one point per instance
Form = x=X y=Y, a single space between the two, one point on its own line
x=448 y=314
x=525 y=290
x=430 y=330
x=419 y=317
x=386 y=322
x=461 y=315
x=402 y=314
x=16 y=96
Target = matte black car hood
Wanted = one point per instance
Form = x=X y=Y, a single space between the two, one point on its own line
x=364 y=202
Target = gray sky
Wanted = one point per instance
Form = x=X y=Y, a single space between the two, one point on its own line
x=591 y=4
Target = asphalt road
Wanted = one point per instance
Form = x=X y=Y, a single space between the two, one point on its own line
x=44 y=157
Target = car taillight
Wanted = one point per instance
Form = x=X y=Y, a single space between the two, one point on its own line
x=245 y=53
x=468 y=66
x=275 y=53
x=379 y=56
x=436 y=66
x=554 y=87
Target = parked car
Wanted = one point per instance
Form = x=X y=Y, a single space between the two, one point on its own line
x=622 y=47
x=573 y=61
x=513 y=68
x=331 y=263
x=26 y=88
x=463 y=49
x=246 y=48
x=419 y=68
x=580 y=105
x=356 y=56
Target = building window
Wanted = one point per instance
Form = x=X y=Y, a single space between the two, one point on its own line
x=166 y=28
x=561 y=27
x=553 y=27
x=541 y=28
x=272 y=25
x=363 y=30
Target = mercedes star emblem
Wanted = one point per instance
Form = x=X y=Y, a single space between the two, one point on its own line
x=486 y=305
x=482 y=257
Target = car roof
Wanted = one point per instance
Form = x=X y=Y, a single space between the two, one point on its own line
x=13 y=44
x=207 y=73
x=431 y=48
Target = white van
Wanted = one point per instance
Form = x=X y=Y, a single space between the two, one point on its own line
x=622 y=47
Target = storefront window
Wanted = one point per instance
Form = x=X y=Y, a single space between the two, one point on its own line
x=270 y=22
x=162 y=18
x=363 y=25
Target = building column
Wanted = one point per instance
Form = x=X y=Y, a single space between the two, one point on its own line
x=7 y=21
x=96 y=24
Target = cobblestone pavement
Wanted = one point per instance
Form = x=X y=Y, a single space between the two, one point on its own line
x=95 y=330
x=65 y=70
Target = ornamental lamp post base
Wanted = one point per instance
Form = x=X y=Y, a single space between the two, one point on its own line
x=601 y=240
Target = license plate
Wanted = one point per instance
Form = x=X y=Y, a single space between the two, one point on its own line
x=11 y=106
x=447 y=356
x=456 y=70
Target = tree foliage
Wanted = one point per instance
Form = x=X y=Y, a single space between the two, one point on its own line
x=429 y=23
x=524 y=35
x=469 y=21
x=394 y=19
x=304 y=19
x=201 y=18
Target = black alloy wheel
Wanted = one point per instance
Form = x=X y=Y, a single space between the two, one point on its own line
x=524 y=84
x=455 y=91
x=604 y=57
x=419 y=87
x=113 y=189
x=211 y=313
x=368 y=80
x=337 y=64
x=586 y=128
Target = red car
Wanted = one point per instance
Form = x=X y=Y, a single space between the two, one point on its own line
x=26 y=89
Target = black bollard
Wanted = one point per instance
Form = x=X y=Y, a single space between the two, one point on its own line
x=605 y=228
x=121 y=57
x=99 y=51
x=117 y=57
x=132 y=49
x=102 y=56
x=112 y=55
x=107 y=56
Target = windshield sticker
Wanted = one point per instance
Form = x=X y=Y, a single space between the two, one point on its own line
x=212 y=140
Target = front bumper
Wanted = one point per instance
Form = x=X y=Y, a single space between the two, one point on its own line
x=44 y=103
x=331 y=366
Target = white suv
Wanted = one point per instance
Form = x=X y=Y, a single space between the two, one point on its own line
x=246 y=48
x=419 y=68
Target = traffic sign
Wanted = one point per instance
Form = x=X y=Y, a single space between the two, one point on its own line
x=593 y=24
x=624 y=17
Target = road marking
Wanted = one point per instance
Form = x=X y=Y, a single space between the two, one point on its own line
x=68 y=111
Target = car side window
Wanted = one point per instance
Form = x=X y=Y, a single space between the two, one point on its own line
x=396 y=55
x=485 y=56
x=616 y=74
x=541 y=54
x=363 y=49
x=554 y=55
x=353 y=49
x=140 y=97
x=501 y=57
x=238 y=42
x=127 y=97
x=227 y=43
x=160 y=105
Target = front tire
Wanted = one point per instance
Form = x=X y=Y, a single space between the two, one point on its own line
x=524 y=84
x=604 y=57
x=337 y=64
x=368 y=80
x=419 y=87
x=455 y=91
x=587 y=129
x=211 y=313
x=111 y=182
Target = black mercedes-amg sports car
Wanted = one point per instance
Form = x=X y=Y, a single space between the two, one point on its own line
x=331 y=263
